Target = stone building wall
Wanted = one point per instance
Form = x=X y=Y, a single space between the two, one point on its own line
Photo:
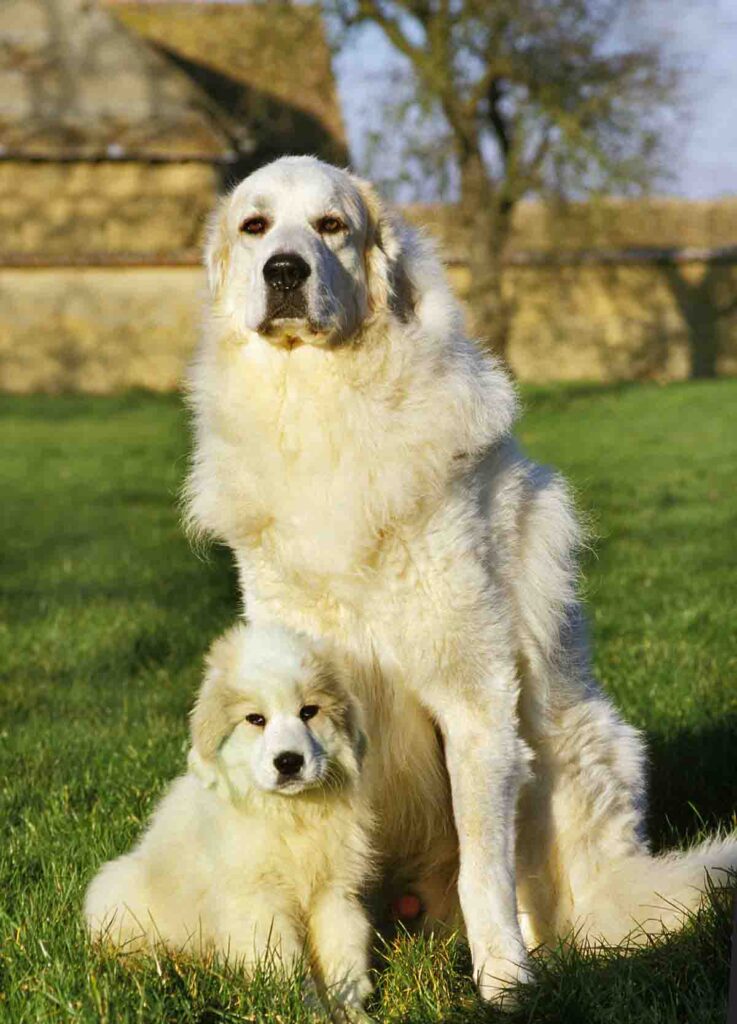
x=76 y=210
x=120 y=122
x=74 y=80
x=621 y=321
x=98 y=329
x=106 y=328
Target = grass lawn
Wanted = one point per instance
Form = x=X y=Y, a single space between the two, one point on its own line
x=106 y=612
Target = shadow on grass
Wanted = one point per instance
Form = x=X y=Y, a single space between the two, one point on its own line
x=558 y=397
x=206 y=582
x=692 y=782
x=53 y=408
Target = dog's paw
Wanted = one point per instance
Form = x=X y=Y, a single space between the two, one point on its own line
x=347 y=1014
x=346 y=999
x=349 y=1010
x=497 y=977
x=313 y=1002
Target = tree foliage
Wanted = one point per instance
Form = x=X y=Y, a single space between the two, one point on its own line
x=529 y=96
x=540 y=89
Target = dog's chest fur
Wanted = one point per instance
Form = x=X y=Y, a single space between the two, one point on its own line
x=294 y=844
x=323 y=469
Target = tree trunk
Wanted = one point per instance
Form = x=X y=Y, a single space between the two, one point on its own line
x=487 y=222
x=698 y=304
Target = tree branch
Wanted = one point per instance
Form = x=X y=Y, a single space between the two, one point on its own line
x=433 y=65
x=495 y=69
x=499 y=123
x=371 y=10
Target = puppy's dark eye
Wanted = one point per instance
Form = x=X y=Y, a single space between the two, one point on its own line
x=258 y=720
x=330 y=225
x=308 y=711
x=254 y=225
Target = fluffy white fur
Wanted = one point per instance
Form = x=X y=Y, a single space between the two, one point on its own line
x=362 y=468
x=240 y=859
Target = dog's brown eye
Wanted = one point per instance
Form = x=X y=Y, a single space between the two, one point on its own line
x=258 y=720
x=254 y=225
x=330 y=225
x=308 y=711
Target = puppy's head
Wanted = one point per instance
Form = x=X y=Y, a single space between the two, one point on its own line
x=273 y=715
x=303 y=252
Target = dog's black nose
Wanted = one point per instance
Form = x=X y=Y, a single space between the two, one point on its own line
x=286 y=271
x=288 y=763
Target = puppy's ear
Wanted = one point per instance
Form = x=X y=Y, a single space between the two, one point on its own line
x=389 y=285
x=209 y=721
x=355 y=729
x=204 y=770
x=217 y=247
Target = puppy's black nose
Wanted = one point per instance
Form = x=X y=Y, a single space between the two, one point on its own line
x=288 y=762
x=286 y=271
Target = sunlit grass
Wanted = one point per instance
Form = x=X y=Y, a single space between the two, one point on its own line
x=106 y=613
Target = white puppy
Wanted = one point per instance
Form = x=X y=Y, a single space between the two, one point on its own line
x=354 y=448
x=262 y=847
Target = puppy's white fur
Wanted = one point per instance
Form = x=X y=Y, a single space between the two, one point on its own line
x=238 y=859
x=368 y=483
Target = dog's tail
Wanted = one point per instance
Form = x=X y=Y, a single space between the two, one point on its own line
x=586 y=871
x=640 y=896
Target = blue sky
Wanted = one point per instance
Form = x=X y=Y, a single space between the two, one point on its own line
x=701 y=35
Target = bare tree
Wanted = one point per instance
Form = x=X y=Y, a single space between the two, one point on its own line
x=534 y=96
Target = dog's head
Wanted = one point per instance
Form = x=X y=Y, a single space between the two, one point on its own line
x=302 y=251
x=273 y=715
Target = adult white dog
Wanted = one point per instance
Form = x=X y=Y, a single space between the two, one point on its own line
x=353 y=448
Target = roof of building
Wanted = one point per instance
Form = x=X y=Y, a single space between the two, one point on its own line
x=164 y=81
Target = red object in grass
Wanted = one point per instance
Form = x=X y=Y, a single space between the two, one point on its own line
x=407 y=907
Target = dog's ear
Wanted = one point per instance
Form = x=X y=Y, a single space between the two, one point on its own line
x=389 y=285
x=355 y=729
x=217 y=247
x=209 y=720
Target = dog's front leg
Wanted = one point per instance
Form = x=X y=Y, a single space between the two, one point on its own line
x=487 y=762
x=340 y=934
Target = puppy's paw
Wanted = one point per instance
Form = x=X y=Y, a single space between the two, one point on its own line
x=350 y=1015
x=346 y=1004
x=348 y=995
x=497 y=978
x=312 y=1000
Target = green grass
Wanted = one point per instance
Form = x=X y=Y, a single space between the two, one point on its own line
x=107 y=611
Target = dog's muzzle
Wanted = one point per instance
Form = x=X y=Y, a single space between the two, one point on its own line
x=285 y=273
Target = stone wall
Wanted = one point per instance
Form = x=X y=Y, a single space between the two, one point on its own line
x=609 y=224
x=622 y=321
x=103 y=329
x=98 y=329
x=69 y=211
